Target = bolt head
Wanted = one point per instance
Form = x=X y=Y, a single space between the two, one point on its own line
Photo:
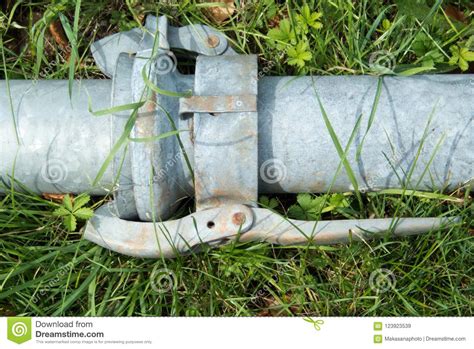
x=238 y=218
x=212 y=41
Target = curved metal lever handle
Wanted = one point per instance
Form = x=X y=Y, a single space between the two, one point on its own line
x=196 y=38
x=218 y=226
x=274 y=228
x=167 y=239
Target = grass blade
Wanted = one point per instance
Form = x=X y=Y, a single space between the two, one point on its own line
x=340 y=151
x=372 y=115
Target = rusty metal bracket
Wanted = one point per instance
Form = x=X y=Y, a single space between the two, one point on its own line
x=196 y=38
x=218 y=104
x=230 y=175
x=145 y=160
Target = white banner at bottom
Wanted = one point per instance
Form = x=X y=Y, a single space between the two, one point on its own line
x=264 y=332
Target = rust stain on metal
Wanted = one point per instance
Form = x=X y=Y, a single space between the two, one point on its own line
x=139 y=241
x=222 y=227
x=145 y=122
x=191 y=130
x=238 y=218
x=218 y=104
x=212 y=41
x=55 y=197
x=218 y=197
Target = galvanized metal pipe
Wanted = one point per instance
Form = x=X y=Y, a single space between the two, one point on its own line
x=417 y=132
x=422 y=129
x=62 y=145
x=51 y=143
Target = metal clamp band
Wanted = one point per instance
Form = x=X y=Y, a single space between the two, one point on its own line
x=230 y=174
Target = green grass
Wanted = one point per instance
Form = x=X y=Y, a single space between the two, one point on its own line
x=46 y=270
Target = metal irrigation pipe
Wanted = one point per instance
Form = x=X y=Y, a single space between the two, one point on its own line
x=241 y=134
